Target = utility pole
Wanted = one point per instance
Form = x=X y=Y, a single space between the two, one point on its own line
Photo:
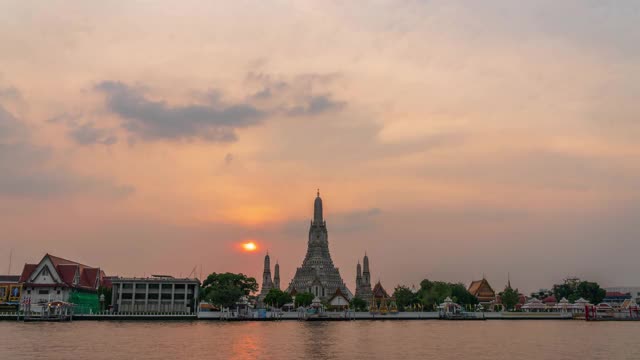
x=10 y=258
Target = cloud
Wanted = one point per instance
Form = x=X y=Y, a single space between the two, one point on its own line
x=10 y=93
x=27 y=169
x=156 y=120
x=68 y=118
x=317 y=105
x=88 y=134
x=9 y=126
x=295 y=96
x=356 y=220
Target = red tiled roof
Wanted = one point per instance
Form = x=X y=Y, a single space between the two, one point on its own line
x=105 y=280
x=550 y=299
x=89 y=277
x=379 y=291
x=60 y=261
x=26 y=271
x=615 y=293
x=67 y=272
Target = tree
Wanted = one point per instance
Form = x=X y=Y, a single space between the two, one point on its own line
x=541 y=294
x=564 y=291
x=404 y=297
x=107 y=295
x=573 y=288
x=358 y=304
x=227 y=288
x=277 y=298
x=439 y=291
x=433 y=293
x=591 y=291
x=461 y=295
x=304 y=299
x=510 y=298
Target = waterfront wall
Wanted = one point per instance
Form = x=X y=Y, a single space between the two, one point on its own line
x=271 y=316
x=399 y=316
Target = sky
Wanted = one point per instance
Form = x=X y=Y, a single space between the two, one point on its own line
x=450 y=140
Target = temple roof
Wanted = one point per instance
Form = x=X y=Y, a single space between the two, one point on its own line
x=481 y=286
x=338 y=293
x=379 y=292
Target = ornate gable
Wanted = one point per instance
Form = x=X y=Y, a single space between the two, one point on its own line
x=44 y=273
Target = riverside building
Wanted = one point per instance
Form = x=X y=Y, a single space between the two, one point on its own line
x=155 y=294
x=58 y=279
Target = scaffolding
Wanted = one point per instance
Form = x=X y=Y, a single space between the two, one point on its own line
x=85 y=303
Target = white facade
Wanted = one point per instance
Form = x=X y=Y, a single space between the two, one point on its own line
x=55 y=279
x=155 y=295
x=45 y=285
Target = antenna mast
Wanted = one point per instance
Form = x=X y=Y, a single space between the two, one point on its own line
x=10 y=258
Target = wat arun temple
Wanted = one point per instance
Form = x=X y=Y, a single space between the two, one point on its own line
x=317 y=274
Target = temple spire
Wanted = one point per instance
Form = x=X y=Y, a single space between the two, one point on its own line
x=317 y=210
x=276 y=276
x=366 y=273
x=267 y=263
x=267 y=282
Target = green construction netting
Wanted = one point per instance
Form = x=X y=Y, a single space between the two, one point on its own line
x=85 y=303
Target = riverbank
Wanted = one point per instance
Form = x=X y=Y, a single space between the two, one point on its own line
x=329 y=316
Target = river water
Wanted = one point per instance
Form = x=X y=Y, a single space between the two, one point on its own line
x=521 y=339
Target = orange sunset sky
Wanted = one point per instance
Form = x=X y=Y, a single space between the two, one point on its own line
x=449 y=139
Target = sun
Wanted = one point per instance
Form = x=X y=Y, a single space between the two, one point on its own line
x=249 y=246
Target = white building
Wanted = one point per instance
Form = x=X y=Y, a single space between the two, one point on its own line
x=156 y=294
x=58 y=279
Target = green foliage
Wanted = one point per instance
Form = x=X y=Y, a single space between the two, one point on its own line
x=107 y=292
x=591 y=291
x=432 y=293
x=573 y=289
x=277 y=298
x=227 y=288
x=541 y=294
x=358 y=304
x=304 y=299
x=404 y=297
x=510 y=298
x=461 y=295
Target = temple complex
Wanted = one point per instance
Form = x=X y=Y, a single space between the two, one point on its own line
x=363 y=280
x=317 y=274
x=483 y=291
x=267 y=283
